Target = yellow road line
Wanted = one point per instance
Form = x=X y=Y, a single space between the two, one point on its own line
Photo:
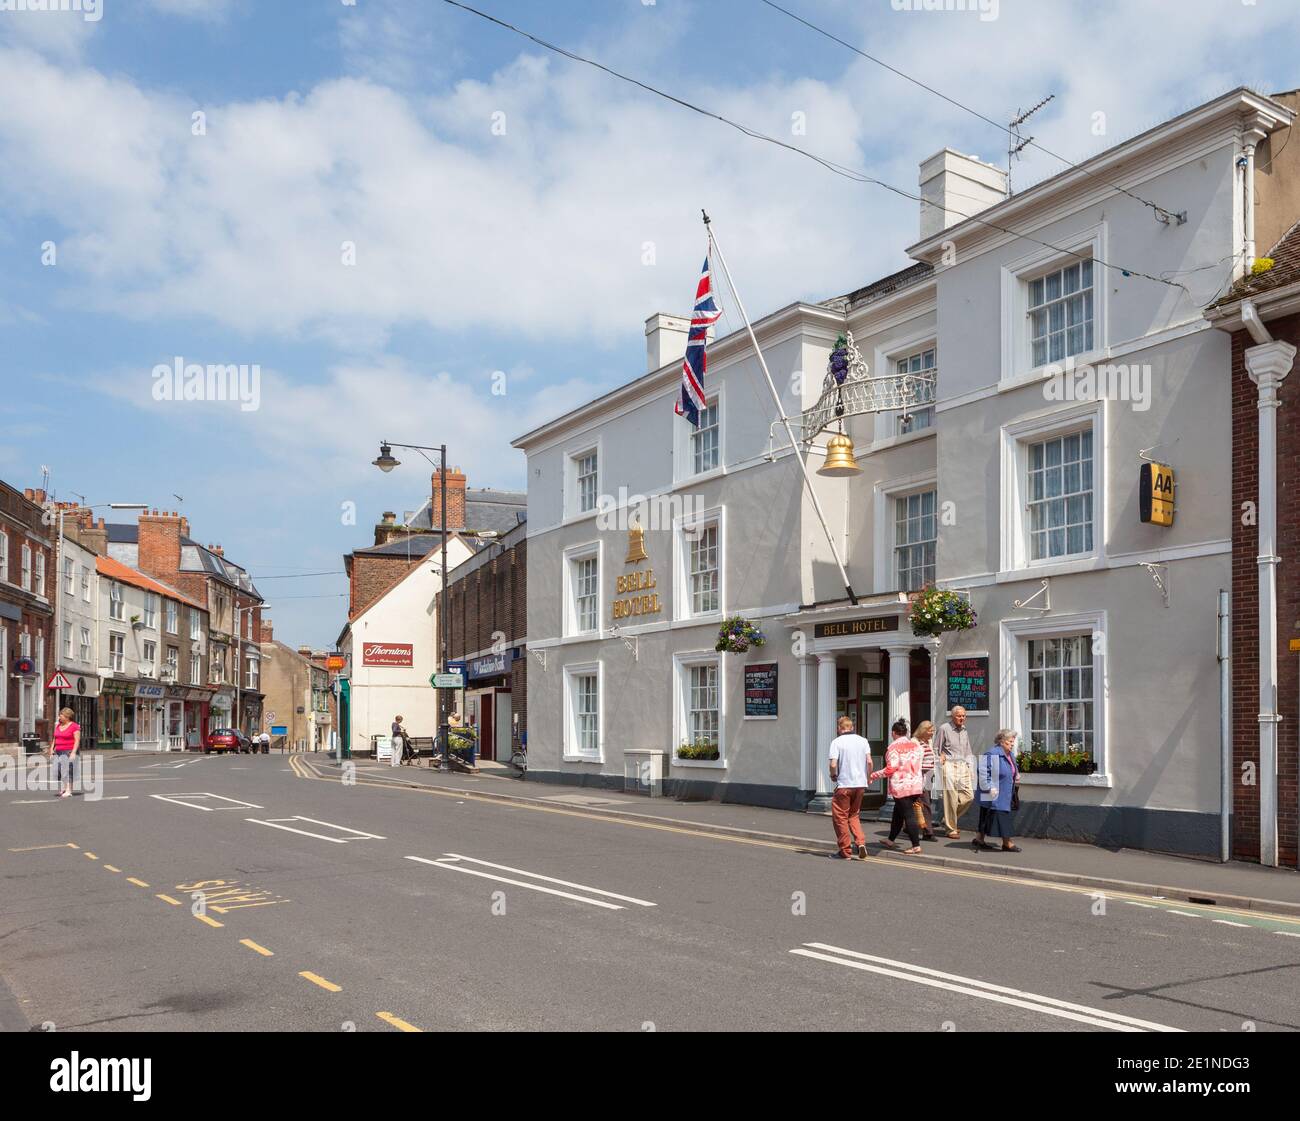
x=138 y=883
x=169 y=899
x=912 y=865
x=90 y=856
x=398 y=1023
x=110 y=868
x=38 y=848
x=210 y=922
x=316 y=979
x=254 y=946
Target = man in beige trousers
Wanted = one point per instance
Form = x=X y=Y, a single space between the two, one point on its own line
x=956 y=759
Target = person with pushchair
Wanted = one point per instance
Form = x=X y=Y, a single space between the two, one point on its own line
x=462 y=741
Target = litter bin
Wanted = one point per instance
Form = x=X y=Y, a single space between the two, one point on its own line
x=31 y=743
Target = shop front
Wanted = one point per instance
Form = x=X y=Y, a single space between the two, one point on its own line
x=221 y=708
x=488 y=707
x=114 y=698
x=197 y=713
x=83 y=698
x=142 y=718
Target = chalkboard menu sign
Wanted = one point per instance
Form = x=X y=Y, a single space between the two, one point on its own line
x=968 y=683
x=760 y=690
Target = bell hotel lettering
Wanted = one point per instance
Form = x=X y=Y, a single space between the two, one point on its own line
x=636 y=581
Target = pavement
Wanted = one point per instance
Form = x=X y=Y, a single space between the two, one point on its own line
x=1234 y=884
x=237 y=893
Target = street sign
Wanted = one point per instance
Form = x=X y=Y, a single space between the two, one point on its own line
x=58 y=681
x=455 y=666
x=447 y=681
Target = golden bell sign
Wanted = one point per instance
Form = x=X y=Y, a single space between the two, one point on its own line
x=635 y=546
x=1156 y=494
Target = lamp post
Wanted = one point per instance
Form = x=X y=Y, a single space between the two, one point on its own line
x=385 y=462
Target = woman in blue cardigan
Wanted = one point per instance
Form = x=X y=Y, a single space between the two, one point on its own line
x=996 y=787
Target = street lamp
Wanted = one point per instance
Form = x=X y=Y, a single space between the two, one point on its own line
x=385 y=462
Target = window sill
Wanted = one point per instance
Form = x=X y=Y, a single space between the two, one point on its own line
x=586 y=515
x=702 y=477
x=566 y=758
x=1037 y=374
x=902 y=438
x=707 y=764
x=1036 y=779
x=1038 y=571
x=707 y=617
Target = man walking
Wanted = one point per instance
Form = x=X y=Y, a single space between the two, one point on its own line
x=850 y=765
x=957 y=761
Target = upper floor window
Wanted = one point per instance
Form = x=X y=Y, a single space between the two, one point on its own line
x=196 y=628
x=69 y=577
x=586 y=468
x=4 y=555
x=115 y=606
x=922 y=415
x=116 y=652
x=1060 y=309
x=39 y=580
x=705 y=443
x=586 y=588
x=26 y=567
x=85 y=644
x=151 y=610
x=149 y=656
x=173 y=661
x=196 y=670
x=85 y=584
x=915 y=532
x=171 y=617
x=703 y=570
x=1060 y=494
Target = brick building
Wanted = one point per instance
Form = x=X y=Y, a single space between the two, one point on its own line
x=297 y=689
x=27 y=590
x=1262 y=313
x=487 y=604
x=160 y=545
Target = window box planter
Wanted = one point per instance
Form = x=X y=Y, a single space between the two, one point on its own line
x=1068 y=763
x=701 y=751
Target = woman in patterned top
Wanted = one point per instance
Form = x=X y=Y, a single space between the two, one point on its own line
x=903 y=759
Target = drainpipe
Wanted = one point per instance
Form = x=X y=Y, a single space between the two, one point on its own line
x=1225 y=725
x=1268 y=363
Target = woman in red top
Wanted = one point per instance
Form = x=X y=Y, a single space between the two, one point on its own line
x=67 y=742
x=903 y=767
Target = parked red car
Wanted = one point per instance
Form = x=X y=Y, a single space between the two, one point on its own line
x=227 y=739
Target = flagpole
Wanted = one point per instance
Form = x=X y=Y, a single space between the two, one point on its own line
x=785 y=420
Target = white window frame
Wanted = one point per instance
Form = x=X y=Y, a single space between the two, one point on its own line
x=149 y=656
x=69 y=577
x=1014 y=635
x=151 y=610
x=1016 y=439
x=116 y=604
x=571 y=753
x=38 y=573
x=172 y=624
x=196 y=628
x=196 y=669
x=174 y=663
x=25 y=566
x=4 y=671
x=572 y=555
x=67 y=639
x=1017 y=358
x=684 y=442
x=884 y=426
x=682 y=529
x=682 y=665
x=117 y=664
x=884 y=577
x=252 y=670
x=572 y=511
x=85 y=647
x=4 y=556
x=85 y=584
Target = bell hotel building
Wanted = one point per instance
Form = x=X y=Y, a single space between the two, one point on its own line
x=1017 y=486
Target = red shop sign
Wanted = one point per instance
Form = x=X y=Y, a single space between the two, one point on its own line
x=387 y=654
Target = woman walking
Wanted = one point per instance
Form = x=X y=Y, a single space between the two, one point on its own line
x=903 y=768
x=924 y=734
x=67 y=741
x=998 y=793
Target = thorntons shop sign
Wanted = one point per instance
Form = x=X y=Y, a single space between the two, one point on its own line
x=387 y=654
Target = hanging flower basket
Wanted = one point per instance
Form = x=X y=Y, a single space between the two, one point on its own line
x=737 y=634
x=935 y=610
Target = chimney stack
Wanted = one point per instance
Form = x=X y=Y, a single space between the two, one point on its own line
x=268 y=630
x=387 y=528
x=954 y=187
x=455 y=501
x=159 y=552
x=665 y=340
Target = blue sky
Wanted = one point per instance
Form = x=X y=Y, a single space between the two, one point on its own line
x=478 y=248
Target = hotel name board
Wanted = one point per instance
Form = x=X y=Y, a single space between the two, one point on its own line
x=647 y=604
x=856 y=627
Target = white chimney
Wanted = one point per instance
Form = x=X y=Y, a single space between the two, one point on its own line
x=665 y=340
x=954 y=187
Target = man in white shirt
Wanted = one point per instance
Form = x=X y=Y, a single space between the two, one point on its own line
x=850 y=766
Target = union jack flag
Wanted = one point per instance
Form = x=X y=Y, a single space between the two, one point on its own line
x=703 y=317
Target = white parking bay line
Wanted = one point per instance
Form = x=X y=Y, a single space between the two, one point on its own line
x=178 y=799
x=970 y=986
x=551 y=880
x=452 y=864
x=280 y=823
x=43 y=801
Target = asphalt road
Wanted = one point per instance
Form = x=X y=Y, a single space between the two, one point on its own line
x=244 y=893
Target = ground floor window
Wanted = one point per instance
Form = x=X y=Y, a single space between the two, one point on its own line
x=582 y=712
x=699 y=725
x=1060 y=703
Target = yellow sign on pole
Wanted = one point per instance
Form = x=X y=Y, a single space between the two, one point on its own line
x=1156 y=494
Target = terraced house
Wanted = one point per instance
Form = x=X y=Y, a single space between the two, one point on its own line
x=1057 y=341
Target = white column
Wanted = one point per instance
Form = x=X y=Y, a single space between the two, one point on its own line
x=900 y=683
x=825 y=729
x=1268 y=364
x=807 y=722
x=938 y=708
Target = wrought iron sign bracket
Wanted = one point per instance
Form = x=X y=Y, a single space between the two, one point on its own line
x=633 y=643
x=1160 y=574
x=1045 y=591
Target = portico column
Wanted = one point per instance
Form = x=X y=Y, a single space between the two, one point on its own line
x=900 y=683
x=807 y=722
x=937 y=710
x=1267 y=364
x=821 y=802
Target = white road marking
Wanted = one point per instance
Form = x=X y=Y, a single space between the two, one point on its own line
x=235 y=803
x=452 y=864
x=1149 y=906
x=1229 y=922
x=44 y=801
x=171 y=766
x=1288 y=933
x=970 y=986
x=1185 y=914
x=551 y=880
x=278 y=823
